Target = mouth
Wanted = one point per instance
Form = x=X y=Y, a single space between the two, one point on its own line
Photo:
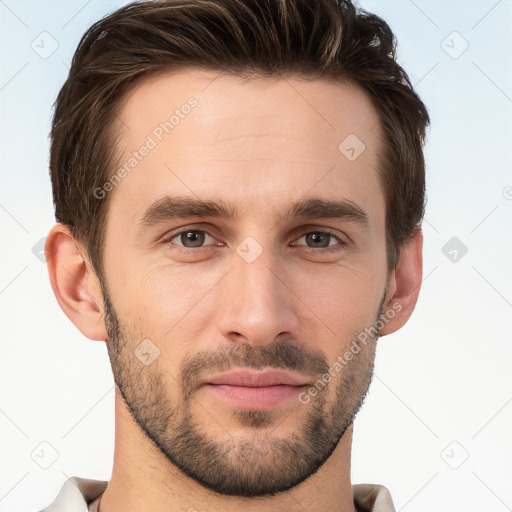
x=256 y=390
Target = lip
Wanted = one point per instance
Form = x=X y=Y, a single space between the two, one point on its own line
x=255 y=390
x=257 y=379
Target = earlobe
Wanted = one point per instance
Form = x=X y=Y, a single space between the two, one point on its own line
x=404 y=285
x=75 y=285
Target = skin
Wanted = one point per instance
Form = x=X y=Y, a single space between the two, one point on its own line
x=260 y=145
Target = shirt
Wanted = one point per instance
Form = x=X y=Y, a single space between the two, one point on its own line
x=82 y=495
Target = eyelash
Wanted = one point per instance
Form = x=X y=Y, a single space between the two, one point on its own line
x=168 y=241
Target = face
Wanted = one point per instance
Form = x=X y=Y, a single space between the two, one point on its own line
x=282 y=267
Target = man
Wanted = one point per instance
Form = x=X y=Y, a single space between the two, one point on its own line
x=239 y=189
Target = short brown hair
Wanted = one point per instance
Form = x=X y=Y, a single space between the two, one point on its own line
x=313 y=39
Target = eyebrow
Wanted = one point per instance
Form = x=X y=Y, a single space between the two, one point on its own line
x=173 y=207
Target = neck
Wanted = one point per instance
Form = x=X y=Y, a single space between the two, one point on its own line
x=144 y=480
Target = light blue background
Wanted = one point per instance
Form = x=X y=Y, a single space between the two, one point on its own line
x=442 y=385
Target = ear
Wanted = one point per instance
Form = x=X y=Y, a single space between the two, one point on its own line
x=74 y=283
x=404 y=285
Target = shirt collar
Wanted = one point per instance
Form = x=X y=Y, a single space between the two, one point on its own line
x=77 y=493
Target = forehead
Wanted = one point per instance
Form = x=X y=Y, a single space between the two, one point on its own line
x=254 y=142
x=332 y=106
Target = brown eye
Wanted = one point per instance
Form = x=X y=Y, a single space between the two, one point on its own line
x=192 y=237
x=189 y=239
x=322 y=240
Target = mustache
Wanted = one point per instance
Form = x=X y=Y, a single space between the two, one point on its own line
x=279 y=355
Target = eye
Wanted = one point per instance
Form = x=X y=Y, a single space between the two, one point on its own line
x=321 y=239
x=189 y=239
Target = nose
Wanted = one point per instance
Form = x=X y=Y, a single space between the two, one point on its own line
x=259 y=302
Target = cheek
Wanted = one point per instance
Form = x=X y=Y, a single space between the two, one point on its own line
x=340 y=306
x=172 y=307
x=351 y=284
